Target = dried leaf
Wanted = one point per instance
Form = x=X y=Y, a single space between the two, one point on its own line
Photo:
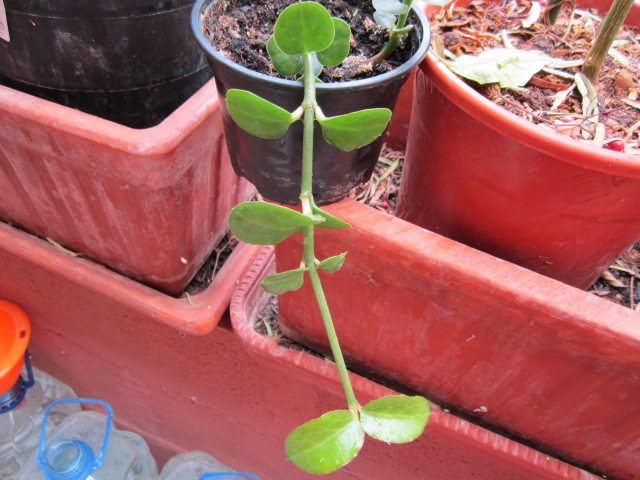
x=611 y=280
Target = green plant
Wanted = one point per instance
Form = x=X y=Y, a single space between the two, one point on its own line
x=392 y=14
x=305 y=38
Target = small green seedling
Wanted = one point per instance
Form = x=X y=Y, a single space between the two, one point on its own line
x=305 y=38
x=392 y=15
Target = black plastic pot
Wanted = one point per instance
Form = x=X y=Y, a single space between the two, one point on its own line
x=130 y=61
x=274 y=166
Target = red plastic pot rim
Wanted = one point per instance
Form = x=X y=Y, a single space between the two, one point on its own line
x=15 y=332
x=538 y=138
x=317 y=370
x=162 y=138
x=196 y=316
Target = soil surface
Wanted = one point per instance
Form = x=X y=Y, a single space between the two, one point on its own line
x=239 y=29
x=547 y=100
x=204 y=276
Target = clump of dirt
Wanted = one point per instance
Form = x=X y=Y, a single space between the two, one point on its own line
x=239 y=29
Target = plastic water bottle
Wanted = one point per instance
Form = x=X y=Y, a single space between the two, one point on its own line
x=86 y=445
x=198 y=466
x=25 y=393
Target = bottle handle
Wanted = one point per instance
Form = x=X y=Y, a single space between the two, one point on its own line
x=90 y=462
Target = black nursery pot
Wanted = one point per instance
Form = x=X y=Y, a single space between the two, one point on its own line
x=274 y=166
x=129 y=61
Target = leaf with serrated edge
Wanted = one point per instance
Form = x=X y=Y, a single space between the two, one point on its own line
x=325 y=444
x=339 y=48
x=261 y=223
x=356 y=129
x=331 y=222
x=303 y=27
x=506 y=66
x=395 y=419
x=332 y=264
x=256 y=115
x=287 y=65
x=284 y=282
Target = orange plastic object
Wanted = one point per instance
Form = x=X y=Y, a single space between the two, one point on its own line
x=15 y=332
x=542 y=360
x=151 y=204
x=489 y=179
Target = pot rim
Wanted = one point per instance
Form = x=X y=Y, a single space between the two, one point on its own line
x=201 y=5
x=516 y=128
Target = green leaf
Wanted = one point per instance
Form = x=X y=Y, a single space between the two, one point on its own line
x=284 y=282
x=330 y=222
x=394 y=7
x=506 y=66
x=332 y=264
x=303 y=27
x=287 y=65
x=256 y=115
x=355 y=130
x=339 y=48
x=387 y=20
x=325 y=444
x=261 y=223
x=395 y=419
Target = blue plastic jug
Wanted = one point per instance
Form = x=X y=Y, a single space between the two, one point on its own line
x=87 y=445
x=22 y=410
x=199 y=466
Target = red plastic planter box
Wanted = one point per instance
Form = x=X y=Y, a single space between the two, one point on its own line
x=114 y=339
x=450 y=448
x=543 y=360
x=151 y=204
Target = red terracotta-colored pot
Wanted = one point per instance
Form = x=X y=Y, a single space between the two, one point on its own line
x=151 y=204
x=489 y=179
x=103 y=335
x=540 y=359
x=33 y=263
x=450 y=448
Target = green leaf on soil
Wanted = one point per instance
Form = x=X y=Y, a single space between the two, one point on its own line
x=287 y=65
x=356 y=129
x=284 y=282
x=332 y=264
x=339 y=48
x=394 y=7
x=261 y=223
x=256 y=115
x=325 y=444
x=506 y=66
x=330 y=222
x=395 y=419
x=386 y=20
x=303 y=27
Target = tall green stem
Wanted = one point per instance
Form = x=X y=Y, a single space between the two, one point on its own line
x=604 y=38
x=309 y=257
x=395 y=36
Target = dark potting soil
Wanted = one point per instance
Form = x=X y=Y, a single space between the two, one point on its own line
x=239 y=29
x=205 y=275
x=480 y=26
